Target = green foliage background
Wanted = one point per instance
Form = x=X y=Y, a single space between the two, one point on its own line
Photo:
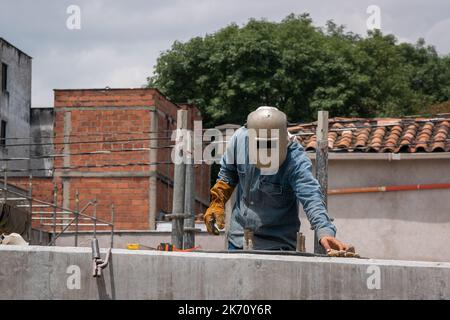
x=301 y=68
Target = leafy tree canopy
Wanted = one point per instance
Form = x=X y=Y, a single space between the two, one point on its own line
x=301 y=68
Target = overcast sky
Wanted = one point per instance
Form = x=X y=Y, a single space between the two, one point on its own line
x=119 y=40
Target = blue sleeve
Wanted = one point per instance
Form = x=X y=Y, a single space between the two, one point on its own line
x=228 y=169
x=308 y=192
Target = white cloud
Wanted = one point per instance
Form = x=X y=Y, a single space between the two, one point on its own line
x=438 y=35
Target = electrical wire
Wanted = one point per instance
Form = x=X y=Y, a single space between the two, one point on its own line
x=88 y=166
x=101 y=134
x=97 y=152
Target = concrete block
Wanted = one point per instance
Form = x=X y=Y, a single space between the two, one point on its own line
x=55 y=273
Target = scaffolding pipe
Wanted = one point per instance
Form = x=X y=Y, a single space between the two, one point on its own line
x=179 y=181
x=112 y=226
x=77 y=208
x=189 y=197
x=55 y=195
x=30 y=204
x=411 y=187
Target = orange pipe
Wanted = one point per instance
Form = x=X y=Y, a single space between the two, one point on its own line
x=410 y=187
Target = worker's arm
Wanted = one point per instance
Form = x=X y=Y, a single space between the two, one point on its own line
x=228 y=168
x=308 y=192
x=221 y=192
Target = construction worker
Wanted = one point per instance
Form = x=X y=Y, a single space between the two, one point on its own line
x=271 y=173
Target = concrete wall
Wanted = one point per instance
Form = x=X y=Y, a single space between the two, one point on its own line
x=407 y=225
x=15 y=103
x=42 y=137
x=66 y=273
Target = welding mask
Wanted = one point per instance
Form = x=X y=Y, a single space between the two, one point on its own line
x=268 y=139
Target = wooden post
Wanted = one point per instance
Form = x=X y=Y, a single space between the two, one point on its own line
x=179 y=178
x=321 y=164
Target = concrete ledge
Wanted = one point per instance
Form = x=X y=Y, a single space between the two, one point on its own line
x=51 y=273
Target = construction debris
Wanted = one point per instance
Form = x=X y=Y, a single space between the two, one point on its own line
x=349 y=253
x=13 y=239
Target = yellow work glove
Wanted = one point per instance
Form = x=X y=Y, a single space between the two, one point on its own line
x=215 y=215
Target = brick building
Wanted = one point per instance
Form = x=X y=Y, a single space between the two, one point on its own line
x=115 y=147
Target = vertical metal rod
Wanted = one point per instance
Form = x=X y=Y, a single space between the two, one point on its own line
x=95 y=217
x=300 y=242
x=55 y=202
x=153 y=168
x=30 y=206
x=321 y=165
x=112 y=225
x=29 y=188
x=5 y=181
x=189 y=198
x=179 y=180
x=77 y=211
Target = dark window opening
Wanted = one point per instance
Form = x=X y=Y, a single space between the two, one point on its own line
x=4 y=77
x=3 y=133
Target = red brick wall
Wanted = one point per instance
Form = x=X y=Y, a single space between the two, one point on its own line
x=129 y=196
x=123 y=114
x=99 y=116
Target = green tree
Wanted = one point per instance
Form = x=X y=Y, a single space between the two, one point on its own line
x=301 y=68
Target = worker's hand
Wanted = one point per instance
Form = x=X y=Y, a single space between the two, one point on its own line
x=214 y=219
x=330 y=243
x=335 y=248
x=215 y=215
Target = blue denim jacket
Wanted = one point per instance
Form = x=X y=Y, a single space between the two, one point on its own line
x=268 y=204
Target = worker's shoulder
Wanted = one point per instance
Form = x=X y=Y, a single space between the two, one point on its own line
x=296 y=153
x=240 y=133
x=296 y=150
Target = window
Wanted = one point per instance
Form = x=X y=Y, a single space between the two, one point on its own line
x=3 y=133
x=4 y=77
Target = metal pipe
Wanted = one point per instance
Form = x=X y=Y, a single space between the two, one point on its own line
x=411 y=187
x=62 y=231
x=248 y=239
x=77 y=208
x=95 y=218
x=301 y=246
x=179 y=180
x=30 y=204
x=80 y=224
x=55 y=200
x=189 y=197
x=112 y=225
x=58 y=218
x=47 y=212
x=5 y=182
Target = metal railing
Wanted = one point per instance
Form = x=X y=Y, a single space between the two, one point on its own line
x=53 y=218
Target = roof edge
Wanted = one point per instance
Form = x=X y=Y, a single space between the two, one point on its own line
x=10 y=44
x=383 y=156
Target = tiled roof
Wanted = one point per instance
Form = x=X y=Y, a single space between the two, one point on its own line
x=380 y=134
